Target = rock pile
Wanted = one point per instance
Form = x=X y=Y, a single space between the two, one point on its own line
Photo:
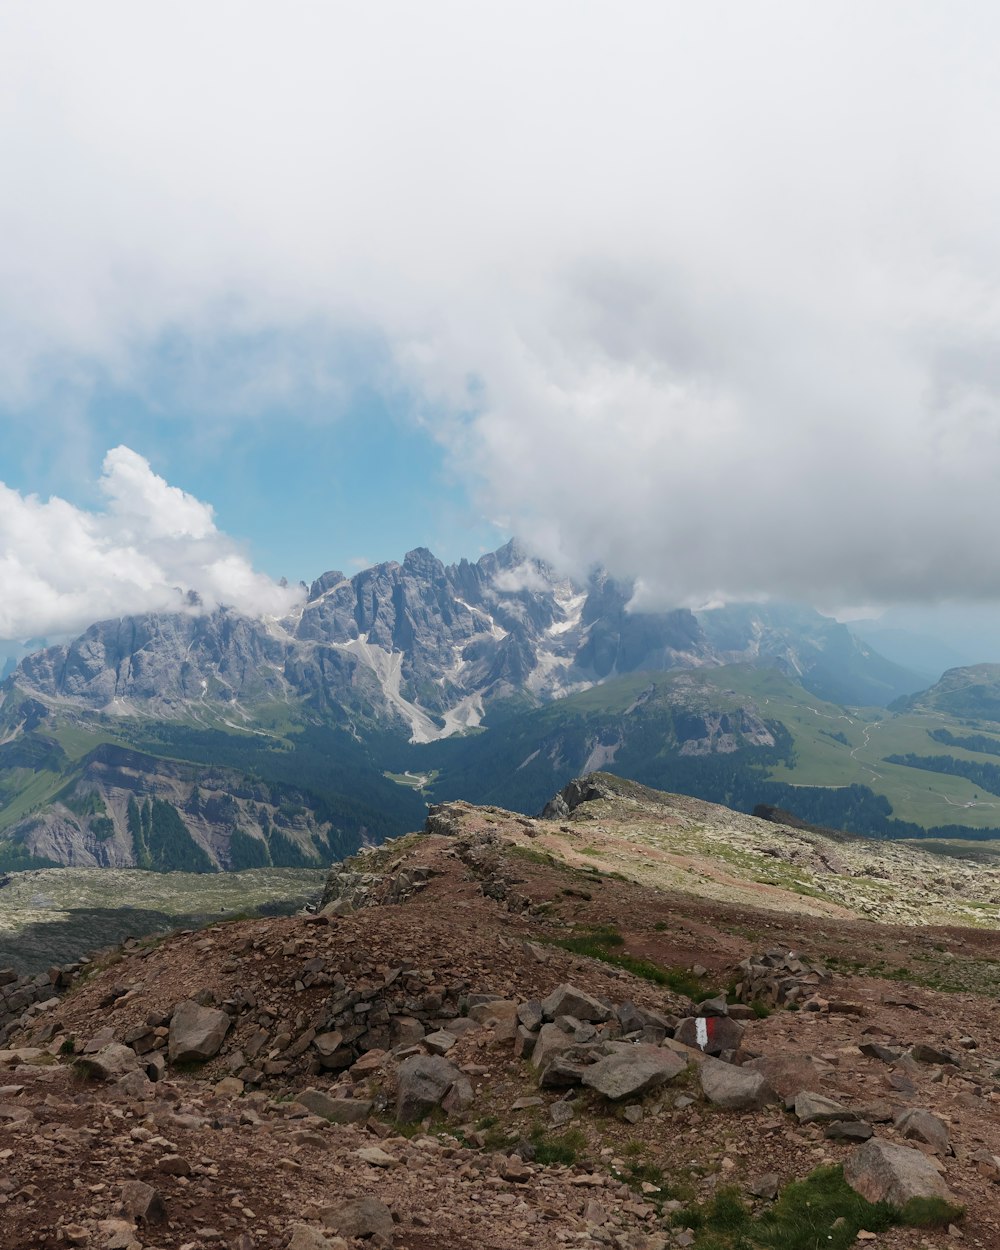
x=779 y=977
x=24 y=998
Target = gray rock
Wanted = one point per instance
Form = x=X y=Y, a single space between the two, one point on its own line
x=918 y=1124
x=562 y=1072
x=109 y=1063
x=305 y=1237
x=136 y=1085
x=327 y=1044
x=551 y=1041
x=336 y=1110
x=882 y=1171
x=764 y=1186
x=196 y=1033
x=561 y=1113
x=566 y=1000
x=530 y=1015
x=632 y=1072
x=736 y=1089
x=787 y=1074
x=360 y=1217
x=817 y=1109
x=441 y=1042
x=140 y=1201
x=711 y=1034
x=848 y=1130
x=524 y=1042
x=875 y=1050
x=423 y=1083
x=924 y=1053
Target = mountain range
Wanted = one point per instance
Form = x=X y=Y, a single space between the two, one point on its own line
x=214 y=739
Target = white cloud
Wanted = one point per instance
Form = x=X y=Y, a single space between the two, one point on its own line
x=710 y=293
x=62 y=567
x=524 y=577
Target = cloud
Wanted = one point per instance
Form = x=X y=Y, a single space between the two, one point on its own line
x=525 y=576
x=710 y=294
x=153 y=549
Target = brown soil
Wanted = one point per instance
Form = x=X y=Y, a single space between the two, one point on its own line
x=258 y=1162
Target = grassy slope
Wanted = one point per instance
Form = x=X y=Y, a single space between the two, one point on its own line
x=821 y=758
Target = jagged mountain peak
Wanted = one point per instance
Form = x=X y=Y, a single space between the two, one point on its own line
x=420 y=647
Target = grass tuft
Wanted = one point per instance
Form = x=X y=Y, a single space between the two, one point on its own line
x=821 y=1210
x=604 y=943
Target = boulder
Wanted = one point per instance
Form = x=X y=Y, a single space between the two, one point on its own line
x=336 y=1110
x=562 y=1073
x=875 y=1050
x=501 y=1010
x=566 y=1000
x=765 y=1185
x=551 y=1041
x=848 y=1130
x=920 y=1125
x=530 y=1014
x=305 y=1237
x=710 y=1034
x=632 y=1072
x=423 y=1083
x=109 y=1063
x=142 y=1202
x=882 y=1171
x=440 y=1042
x=136 y=1086
x=817 y=1109
x=360 y=1217
x=987 y=1165
x=736 y=1089
x=196 y=1032
x=787 y=1074
x=924 y=1053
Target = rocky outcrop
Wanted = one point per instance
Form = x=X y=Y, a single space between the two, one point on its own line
x=27 y=1000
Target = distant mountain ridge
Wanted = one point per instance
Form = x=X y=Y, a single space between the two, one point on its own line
x=306 y=732
x=428 y=647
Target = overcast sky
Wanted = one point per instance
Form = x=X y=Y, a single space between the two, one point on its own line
x=709 y=293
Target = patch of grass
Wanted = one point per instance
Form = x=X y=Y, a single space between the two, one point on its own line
x=566 y=1148
x=603 y=943
x=931 y=1213
x=535 y=857
x=821 y=1210
x=760 y=1009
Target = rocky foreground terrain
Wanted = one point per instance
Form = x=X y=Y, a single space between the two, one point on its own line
x=490 y=1036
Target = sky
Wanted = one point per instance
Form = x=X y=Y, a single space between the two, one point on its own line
x=709 y=294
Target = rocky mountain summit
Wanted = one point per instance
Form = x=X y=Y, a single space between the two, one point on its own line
x=485 y=1037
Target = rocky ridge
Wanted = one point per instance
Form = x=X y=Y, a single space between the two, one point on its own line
x=256 y=1084
x=425 y=647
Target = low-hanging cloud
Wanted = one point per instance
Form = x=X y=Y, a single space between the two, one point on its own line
x=707 y=293
x=154 y=548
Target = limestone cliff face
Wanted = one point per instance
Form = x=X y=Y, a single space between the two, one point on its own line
x=108 y=818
